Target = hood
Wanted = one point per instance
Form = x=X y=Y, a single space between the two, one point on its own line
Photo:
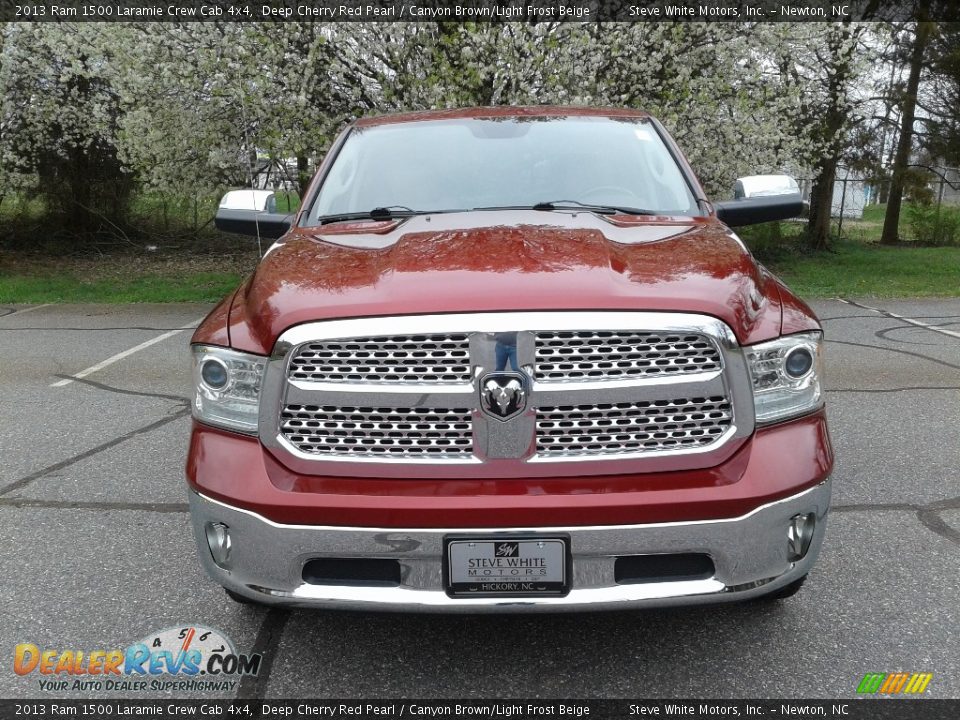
x=502 y=261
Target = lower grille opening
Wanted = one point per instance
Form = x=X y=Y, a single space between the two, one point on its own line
x=352 y=571
x=633 y=569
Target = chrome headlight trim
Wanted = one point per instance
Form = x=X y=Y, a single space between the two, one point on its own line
x=236 y=406
x=777 y=395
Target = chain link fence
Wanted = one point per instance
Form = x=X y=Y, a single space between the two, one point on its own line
x=930 y=213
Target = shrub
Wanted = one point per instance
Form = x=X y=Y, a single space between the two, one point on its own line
x=934 y=225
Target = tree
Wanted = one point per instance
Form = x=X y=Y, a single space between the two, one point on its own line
x=187 y=109
x=918 y=45
x=939 y=99
x=714 y=85
x=830 y=118
x=191 y=96
x=59 y=111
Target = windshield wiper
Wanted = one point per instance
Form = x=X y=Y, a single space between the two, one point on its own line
x=382 y=213
x=575 y=205
x=379 y=213
x=394 y=212
x=590 y=207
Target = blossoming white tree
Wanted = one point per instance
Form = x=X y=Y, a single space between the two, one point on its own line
x=59 y=113
x=190 y=108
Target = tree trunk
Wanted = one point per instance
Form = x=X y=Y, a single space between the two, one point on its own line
x=303 y=175
x=77 y=173
x=253 y=168
x=837 y=113
x=821 y=204
x=901 y=161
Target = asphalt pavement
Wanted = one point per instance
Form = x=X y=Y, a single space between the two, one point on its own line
x=98 y=552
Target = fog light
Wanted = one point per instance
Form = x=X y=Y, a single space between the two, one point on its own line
x=218 y=540
x=800 y=535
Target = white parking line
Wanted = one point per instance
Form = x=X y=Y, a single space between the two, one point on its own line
x=909 y=321
x=126 y=353
x=29 y=309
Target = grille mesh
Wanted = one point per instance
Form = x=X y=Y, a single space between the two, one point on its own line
x=407 y=359
x=579 y=355
x=378 y=432
x=621 y=428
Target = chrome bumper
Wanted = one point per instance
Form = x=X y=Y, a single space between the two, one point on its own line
x=750 y=556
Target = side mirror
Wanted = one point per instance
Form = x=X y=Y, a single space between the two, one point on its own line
x=252 y=212
x=760 y=199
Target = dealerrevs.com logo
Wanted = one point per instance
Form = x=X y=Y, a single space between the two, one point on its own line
x=189 y=658
x=894 y=683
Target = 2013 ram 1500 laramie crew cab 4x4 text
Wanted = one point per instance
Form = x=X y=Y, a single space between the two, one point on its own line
x=508 y=359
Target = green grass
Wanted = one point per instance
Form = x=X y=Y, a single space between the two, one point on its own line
x=855 y=269
x=68 y=288
x=851 y=270
x=857 y=266
x=287 y=201
x=875 y=214
x=869 y=228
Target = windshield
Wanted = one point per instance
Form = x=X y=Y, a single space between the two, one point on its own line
x=451 y=165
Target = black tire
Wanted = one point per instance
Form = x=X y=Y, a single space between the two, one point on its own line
x=243 y=600
x=785 y=592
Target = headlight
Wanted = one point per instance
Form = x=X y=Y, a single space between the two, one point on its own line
x=786 y=376
x=227 y=387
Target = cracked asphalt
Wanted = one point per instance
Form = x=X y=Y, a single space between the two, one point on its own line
x=97 y=550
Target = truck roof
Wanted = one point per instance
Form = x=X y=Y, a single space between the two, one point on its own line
x=503 y=111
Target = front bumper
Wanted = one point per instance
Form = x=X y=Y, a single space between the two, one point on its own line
x=749 y=553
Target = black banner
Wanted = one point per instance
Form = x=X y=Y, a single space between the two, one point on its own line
x=859 y=709
x=473 y=10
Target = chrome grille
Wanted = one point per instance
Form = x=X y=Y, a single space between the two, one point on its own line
x=378 y=432
x=377 y=396
x=631 y=427
x=415 y=359
x=581 y=355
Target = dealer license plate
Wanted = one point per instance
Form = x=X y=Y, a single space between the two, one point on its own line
x=507 y=566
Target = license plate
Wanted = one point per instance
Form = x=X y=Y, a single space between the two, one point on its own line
x=507 y=566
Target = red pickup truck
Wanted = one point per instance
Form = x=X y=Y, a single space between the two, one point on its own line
x=508 y=359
